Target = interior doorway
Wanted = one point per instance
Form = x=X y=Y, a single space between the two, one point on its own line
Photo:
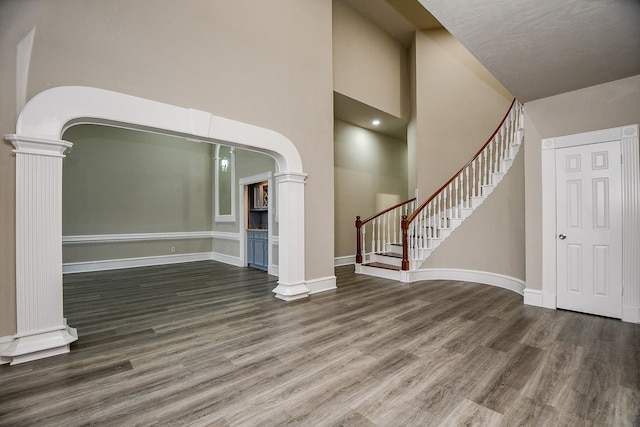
x=589 y=225
x=259 y=241
x=41 y=328
x=627 y=138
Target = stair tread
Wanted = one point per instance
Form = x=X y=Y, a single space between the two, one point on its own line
x=382 y=265
x=390 y=254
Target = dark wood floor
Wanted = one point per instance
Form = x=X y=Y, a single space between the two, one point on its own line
x=208 y=344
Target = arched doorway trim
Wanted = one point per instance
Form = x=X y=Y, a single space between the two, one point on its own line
x=41 y=327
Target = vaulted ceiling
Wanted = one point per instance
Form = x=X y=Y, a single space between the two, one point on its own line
x=545 y=47
x=536 y=48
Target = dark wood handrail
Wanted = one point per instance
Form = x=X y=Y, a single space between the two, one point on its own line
x=422 y=206
x=364 y=221
x=360 y=223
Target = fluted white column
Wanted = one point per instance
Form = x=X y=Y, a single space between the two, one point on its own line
x=41 y=327
x=631 y=224
x=291 y=284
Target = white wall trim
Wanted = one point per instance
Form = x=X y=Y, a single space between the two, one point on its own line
x=274 y=270
x=484 y=277
x=5 y=343
x=255 y=179
x=344 y=260
x=136 y=237
x=537 y=298
x=630 y=314
x=224 y=235
x=243 y=191
x=533 y=297
x=226 y=259
x=216 y=174
x=321 y=284
x=629 y=138
x=116 y=264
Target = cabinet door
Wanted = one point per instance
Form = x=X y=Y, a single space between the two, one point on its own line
x=250 y=248
x=259 y=254
x=265 y=252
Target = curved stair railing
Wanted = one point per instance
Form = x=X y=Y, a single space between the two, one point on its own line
x=432 y=221
x=384 y=229
x=403 y=236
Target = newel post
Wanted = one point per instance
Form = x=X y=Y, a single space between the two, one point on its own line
x=358 y=240
x=405 y=246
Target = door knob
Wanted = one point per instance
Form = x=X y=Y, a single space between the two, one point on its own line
x=562 y=236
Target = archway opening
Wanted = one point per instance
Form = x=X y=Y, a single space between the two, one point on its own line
x=39 y=149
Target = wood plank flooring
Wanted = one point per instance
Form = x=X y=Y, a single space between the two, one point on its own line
x=207 y=344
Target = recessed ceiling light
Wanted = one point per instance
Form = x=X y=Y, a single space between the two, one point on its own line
x=376 y=122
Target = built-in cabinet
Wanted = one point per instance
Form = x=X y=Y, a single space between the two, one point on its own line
x=258 y=249
x=258 y=227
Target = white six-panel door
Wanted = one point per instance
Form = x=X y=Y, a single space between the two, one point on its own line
x=589 y=229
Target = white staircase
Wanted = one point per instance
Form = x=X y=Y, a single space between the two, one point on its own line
x=380 y=237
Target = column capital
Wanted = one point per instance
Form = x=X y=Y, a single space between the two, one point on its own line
x=296 y=177
x=38 y=146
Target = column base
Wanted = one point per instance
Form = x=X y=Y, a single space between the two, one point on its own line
x=291 y=292
x=29 y=347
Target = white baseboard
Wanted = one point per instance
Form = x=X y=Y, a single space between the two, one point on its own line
x=484 y=277
x=344 y=260
x=630 y=314
x=380 y=272
x=116 y=264
x=549 y=301
x=321 y=284
x=533 y=297
x=5 y=343
x=274 y=270
x=226 y=259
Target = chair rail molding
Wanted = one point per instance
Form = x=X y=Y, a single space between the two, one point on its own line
x=146 y=237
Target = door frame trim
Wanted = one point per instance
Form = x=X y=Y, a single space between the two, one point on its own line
x=628 y=137
x=243 y=192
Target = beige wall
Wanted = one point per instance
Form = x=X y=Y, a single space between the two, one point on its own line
x=264 y=63
x=458 y=105
x=368 y=64
x=14 y=27
x=366 y=164
x=492 y=239
x=603 y=106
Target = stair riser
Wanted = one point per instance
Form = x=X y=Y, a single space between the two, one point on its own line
x=387 y=260
x=394 y=249
x=377 y=272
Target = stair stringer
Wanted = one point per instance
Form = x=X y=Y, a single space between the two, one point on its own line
x=454 y=223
